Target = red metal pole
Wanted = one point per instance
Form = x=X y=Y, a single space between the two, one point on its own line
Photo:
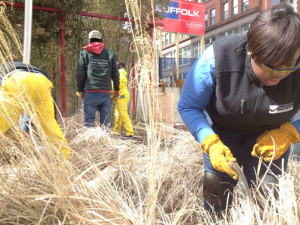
x=133 y=87
x=62 y=38
x=63 y=70
x=53 y=74
x=53 y=67
x=21 y=5
x=151 y=35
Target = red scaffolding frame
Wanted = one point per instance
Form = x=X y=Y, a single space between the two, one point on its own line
x=62 y=43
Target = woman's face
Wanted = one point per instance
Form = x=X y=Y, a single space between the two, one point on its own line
x=269 y=77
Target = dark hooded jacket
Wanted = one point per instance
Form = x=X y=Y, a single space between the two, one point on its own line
x=96 y=68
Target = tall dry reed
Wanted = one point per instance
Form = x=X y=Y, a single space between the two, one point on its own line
x=155 y=178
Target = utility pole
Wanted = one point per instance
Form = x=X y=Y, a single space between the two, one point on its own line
x=27 y=31
x=177 y=56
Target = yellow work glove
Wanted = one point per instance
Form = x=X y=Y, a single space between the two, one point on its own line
x=283 y=138
x=220 y=155
x=80 y=94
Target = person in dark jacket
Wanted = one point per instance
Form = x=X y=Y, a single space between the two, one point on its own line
x=97 y=66
x=249 y=85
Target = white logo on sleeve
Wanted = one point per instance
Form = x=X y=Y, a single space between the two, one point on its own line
x=274 y=109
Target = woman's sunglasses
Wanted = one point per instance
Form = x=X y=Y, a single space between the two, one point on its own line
x=280 y=70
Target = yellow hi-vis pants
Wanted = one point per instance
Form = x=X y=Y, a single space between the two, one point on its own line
x=121 y=116
x=30 y=93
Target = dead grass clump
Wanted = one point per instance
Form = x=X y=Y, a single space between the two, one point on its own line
x=155 y=178
x=107 y=182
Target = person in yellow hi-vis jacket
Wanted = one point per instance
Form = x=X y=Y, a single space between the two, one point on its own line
x=121 y=114
x=26 y=84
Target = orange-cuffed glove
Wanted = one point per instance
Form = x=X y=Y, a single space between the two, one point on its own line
x=283 y=137
x=220 y=155
x=116 y=95
x=80 y=94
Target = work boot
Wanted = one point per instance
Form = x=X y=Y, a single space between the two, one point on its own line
x=128 y=136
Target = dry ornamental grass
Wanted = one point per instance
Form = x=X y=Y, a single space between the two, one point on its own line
x=155 y=178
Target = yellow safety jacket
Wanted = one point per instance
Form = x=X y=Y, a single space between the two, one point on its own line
x=30 y=92
x=123 y=83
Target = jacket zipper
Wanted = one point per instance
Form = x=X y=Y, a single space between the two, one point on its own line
x=242 y=105
x=252 y=112
x=256 y=102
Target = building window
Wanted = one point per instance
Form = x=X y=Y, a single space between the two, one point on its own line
x=245 y=5
x=206 y=18
x=235 y=7
x=225 y=11
x=230 y=32
x=184 y=55
x=168 y=61
x=167 y=39
x=209 y=41
x=245 y=27
x=197 y=49
x=275 y=2
x=183 y=36
x=212 y=17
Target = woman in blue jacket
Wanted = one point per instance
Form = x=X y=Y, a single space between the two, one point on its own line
x=249 y=85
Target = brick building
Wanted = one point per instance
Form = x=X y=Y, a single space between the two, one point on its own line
x=222 y=18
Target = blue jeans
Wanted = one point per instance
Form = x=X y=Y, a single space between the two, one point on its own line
x=25 y=124
x=94 y=101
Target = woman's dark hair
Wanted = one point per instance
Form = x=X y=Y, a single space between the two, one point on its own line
x=96 y=40
x=121 y=65
x=274 y=36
